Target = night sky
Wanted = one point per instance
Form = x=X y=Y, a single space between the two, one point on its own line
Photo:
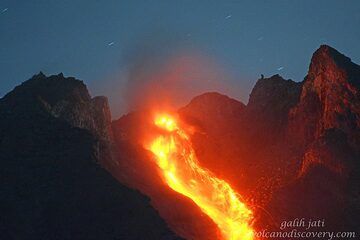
x=101 y=42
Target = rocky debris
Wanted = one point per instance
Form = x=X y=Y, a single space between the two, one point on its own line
x=52 y=186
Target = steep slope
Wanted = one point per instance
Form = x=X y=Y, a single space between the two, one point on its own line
x=51 y=138
x=328 y=111
x=324 y=128
x=329 y=99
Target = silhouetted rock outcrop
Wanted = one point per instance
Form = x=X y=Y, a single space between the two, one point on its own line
x=52 y=187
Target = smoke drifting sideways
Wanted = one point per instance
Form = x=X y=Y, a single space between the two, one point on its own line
x=165 y=73
x=167 y=76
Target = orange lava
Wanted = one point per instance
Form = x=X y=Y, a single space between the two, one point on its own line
x=181 y=171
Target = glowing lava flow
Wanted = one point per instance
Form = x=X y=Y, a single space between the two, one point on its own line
x=181 y=171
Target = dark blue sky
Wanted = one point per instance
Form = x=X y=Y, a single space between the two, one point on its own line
x=97 y=41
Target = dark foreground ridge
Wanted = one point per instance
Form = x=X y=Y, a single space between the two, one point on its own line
x=51 y=184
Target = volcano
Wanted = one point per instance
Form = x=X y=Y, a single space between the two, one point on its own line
x=291 y=152
x=214 y=169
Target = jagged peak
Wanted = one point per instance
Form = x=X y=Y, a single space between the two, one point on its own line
x=266 y=88
x=335 y=65
x=273 y=79
x=326 y=52
x=276 y=76
x=41 y=78
x=39 y=75
x=326 y=57
x=329 y=51
x=50 y=88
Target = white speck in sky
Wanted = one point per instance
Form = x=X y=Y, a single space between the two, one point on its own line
x=4 y=10
x=280 y=68
x=260 y=38
x=111 y=43
x=228 y=16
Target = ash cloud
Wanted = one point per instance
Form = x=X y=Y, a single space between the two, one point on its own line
x=165 y=73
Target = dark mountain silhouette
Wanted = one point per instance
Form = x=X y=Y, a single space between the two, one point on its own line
x=52 y=137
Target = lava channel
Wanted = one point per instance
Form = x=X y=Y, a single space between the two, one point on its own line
x=181 y=171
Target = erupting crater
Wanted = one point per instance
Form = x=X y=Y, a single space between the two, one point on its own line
x=180 y=170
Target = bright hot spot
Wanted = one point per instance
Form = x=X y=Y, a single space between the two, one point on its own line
x=181 y=171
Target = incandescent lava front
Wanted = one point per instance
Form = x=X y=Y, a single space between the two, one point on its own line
x=180 y=170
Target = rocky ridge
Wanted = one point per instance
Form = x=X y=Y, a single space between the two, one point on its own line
x=52 y=138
